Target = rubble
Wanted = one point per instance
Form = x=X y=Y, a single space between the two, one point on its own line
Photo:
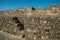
x=31 y=23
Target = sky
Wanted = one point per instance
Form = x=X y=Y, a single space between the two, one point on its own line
x=13 y=4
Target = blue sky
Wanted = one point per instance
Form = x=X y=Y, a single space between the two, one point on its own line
x=13 y=4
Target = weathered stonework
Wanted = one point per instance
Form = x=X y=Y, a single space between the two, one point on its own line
x=30 y=24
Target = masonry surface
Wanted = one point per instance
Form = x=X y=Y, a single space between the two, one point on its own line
x=30 y=23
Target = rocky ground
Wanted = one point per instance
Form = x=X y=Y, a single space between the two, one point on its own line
x=30 y=23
